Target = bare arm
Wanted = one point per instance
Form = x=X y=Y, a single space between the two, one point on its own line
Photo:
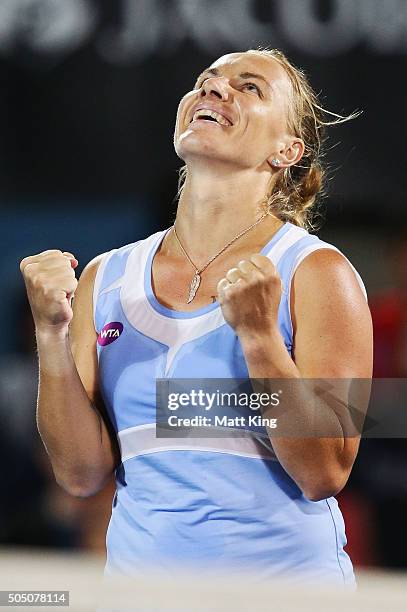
x=81 y=447
x=332 y=340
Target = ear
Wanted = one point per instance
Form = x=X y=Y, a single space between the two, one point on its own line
x=289 y=154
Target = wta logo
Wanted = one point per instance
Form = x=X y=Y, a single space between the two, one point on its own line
x=110 y=333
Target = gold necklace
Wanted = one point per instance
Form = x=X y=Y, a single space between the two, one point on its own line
x=196 y=281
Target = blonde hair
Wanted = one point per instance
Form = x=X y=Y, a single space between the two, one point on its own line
x=296 y=189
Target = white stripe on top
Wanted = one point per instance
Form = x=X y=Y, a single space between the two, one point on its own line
x=142 y=440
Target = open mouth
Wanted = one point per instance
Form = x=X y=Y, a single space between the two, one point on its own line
x=210 y=115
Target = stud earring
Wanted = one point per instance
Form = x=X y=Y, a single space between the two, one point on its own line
x=275 y=162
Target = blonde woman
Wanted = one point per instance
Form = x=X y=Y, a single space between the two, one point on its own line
x=237 y=287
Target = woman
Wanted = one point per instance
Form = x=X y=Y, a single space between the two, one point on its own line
x=236 y=288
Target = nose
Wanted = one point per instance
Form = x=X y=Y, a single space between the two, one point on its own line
x=216 y=86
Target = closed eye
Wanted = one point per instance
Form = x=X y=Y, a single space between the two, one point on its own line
x=251 y=86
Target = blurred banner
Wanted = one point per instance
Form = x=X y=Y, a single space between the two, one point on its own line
x=92 y=88
x=136 y=29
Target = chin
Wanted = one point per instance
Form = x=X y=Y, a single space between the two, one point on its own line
x=193 y=146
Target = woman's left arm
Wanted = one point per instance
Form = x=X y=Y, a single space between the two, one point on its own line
x=332 y=339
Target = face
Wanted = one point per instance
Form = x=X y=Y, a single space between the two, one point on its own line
x=237 y=113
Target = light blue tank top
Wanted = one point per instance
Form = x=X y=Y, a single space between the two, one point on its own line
x=224 y=504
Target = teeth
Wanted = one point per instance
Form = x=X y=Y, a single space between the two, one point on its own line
x=210 y=113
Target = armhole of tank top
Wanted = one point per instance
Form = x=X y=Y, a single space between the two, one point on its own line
x=98 y=282
x=300 y=258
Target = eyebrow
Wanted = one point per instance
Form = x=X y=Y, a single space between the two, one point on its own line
x=243 y=75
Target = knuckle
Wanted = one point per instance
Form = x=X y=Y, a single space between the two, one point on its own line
x=244 y=266
x=51 y=252
x=24 y=263
x=26 y=268
x=37 y=281
x=230 y=274
x=68 y=254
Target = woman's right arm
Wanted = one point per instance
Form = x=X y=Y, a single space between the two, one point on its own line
x=71 y=417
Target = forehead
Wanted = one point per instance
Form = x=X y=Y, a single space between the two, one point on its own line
x=268 y=67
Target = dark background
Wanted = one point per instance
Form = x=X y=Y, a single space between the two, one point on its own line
x=95 y=120
x=89 y=93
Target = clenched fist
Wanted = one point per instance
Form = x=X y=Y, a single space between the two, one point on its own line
x=250 y=296
x=50 y=282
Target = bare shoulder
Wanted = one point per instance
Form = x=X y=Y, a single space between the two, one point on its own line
x=325 y=277
x=331 y=317
x=329 y=271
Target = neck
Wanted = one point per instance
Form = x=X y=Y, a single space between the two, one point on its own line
x=218 y=205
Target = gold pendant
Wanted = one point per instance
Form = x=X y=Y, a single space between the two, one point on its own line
x=196 y=281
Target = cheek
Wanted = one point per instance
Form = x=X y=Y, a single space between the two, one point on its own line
x=267 y=126
x=185 y=102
